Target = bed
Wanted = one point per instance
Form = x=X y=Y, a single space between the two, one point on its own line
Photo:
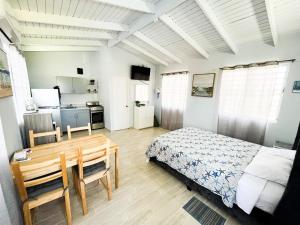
x=232 y=169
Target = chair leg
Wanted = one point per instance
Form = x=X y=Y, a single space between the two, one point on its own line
x=27 y=214
x=83 y=198
x=109 y=191
x=75 y=181
x=68 y=207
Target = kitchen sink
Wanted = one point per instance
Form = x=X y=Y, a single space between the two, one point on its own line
x=69 y=107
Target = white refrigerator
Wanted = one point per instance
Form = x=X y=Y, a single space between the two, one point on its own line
x=47 y=101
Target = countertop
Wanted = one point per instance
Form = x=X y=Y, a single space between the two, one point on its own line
x=74 y=107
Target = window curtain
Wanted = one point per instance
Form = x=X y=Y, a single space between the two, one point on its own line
x=249 y=99
x=20 y=84
x=174 y=93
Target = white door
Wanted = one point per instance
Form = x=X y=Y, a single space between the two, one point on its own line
x=120 y=103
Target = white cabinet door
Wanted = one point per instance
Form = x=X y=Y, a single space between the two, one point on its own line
x=65 y=84
x=80 y=85
x=120 y=106
x=143 y=117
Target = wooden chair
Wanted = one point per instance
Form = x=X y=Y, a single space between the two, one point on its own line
x=70 y=130
x=32 y=135
x=40 y=181
x=93 y=165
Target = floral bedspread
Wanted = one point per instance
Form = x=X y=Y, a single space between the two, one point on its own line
x=214 y=161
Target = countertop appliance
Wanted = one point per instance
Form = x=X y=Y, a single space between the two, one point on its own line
x=47 y=101
x=45 y=97
x=96 y=114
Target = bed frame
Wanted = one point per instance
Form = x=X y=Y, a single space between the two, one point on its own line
x=257 y=216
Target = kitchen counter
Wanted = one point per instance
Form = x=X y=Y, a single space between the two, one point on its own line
x=73 y=107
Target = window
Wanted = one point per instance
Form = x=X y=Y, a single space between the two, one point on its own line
x=174 y=93
x=253 y=93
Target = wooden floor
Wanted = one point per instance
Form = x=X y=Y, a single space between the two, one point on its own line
x=147 y=193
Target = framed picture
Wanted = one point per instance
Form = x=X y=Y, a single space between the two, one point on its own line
x=5 y=81
x=203 y=85
x=296 y=88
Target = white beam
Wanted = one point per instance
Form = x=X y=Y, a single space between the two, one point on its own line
x=172 y=25
x=157 y=46
x=54 y=48
x=58 y=42
x=144 y=52
x=14 y=26
x=161 y=8
x=271 y=18
x=137 y=5
x=209 y=13
x=35 y=17
x=35 y=30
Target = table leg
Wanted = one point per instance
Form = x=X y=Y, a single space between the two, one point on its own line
x=117 y=168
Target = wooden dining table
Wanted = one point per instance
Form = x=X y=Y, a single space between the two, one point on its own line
x=70 y=148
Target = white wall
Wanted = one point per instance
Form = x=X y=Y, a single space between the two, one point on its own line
x=44 y=67
x=203 y=112
x=10 y=141
x=11 y=203
x=113 y=62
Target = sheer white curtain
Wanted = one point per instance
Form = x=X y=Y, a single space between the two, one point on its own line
x=20 y=84
x=174 y=93
x=249 y=99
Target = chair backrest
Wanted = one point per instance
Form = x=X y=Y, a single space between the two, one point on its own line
x=33 y=135
x=38 y=171
x=70 y=130
x=91 y=156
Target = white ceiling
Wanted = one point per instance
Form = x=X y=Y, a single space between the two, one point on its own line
x=163 y=31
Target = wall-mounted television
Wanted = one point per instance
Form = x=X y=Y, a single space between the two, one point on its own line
x=140 y=73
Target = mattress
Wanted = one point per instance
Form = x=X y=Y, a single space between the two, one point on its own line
x=242 y=173
x=214 y=161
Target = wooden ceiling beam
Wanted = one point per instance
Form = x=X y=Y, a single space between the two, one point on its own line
x=35 y=30
x=144 y=52
x=271 y=19
x=161 y=8
x=210 y=15
x=55 y=48
x=59 y=42
x=36 y=17
x=136 y=5
x=156 y=46
x=173 y=26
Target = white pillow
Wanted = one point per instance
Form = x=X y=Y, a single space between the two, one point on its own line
x=283 y=152
x=272 y=164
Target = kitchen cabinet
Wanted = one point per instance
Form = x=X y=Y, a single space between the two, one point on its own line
x=74 y=118
x=80 y=85
x=65 y=84
x=83 y=117
x=73 y=85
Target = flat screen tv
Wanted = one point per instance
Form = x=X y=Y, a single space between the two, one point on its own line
x=140 y=73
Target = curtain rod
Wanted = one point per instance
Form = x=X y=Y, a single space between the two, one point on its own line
x=171 y=73
x=256 y=64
